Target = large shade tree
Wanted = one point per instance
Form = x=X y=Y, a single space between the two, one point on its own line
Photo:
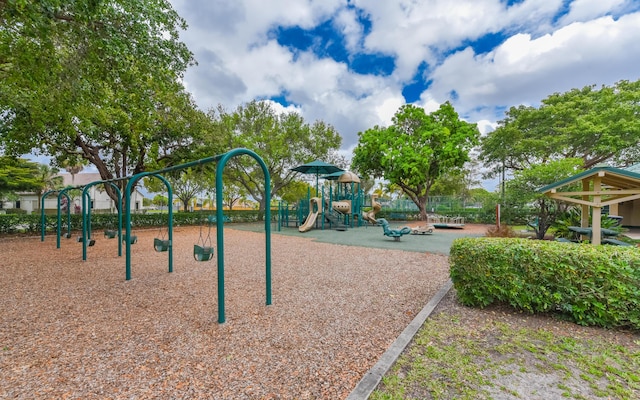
x=577 y=129
x=521 y=193
x=594 y=124
x=416 y=150
x=282 y=140
x=95 y=80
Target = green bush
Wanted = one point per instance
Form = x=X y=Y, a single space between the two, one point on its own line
x=592 y=285
x=31 y=224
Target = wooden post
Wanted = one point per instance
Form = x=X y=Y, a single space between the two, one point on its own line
x=596 y=231
x=584 y=215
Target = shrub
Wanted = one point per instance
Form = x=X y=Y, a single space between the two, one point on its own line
x=31 y=223
x=504 y=231
x=592 y=285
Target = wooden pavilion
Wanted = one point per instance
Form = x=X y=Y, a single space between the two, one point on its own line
x=597 y=188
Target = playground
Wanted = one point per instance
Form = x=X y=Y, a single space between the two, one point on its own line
x=77 y=329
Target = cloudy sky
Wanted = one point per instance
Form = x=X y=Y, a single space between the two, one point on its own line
x=353 y=63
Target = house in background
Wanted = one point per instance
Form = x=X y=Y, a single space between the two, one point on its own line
x=100 y=201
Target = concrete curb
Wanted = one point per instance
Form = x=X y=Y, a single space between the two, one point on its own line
x=372 y=378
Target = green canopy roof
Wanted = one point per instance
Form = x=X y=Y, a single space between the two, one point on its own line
x=613 y=177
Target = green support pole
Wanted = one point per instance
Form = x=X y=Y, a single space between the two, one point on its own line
x=134 y=179
x=86 y=216
x=86 y=234
x=61 y=193
x=43 y=219
x=220 y=226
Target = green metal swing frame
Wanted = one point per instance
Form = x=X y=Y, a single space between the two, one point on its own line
x=221 y=160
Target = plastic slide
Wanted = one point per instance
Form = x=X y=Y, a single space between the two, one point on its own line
x=371 y=215
x=309 y=222
x=311 y=218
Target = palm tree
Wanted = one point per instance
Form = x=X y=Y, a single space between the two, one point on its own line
x=74 y=170
x=47 y=179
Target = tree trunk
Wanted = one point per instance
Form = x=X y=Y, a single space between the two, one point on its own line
x=422 y=207
x=261 y=209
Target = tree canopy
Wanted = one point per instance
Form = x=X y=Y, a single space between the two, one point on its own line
x=416 y=150
x=16 y=175
x=283 y=141
x=96 y=80
x=594 y=124
x=521 y=192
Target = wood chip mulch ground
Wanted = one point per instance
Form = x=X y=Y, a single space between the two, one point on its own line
x=78 y=330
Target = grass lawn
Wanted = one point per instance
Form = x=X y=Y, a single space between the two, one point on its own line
x=496 y=353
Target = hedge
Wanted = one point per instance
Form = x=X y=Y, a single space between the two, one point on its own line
x=591 y=285
x=31 y=224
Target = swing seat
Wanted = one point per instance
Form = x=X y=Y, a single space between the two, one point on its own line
x=201 y=253
x=160 y=244
x=110 y=234
x=90 y=243
x=134 y=239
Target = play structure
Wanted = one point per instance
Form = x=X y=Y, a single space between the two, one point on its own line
x=370 y=216
x=396 y=234
x=338 y=206
x=315 y=206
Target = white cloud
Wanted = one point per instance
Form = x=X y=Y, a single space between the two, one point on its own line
x=524 y=70
x=486 y=126
x=584 y=10
x=346 y=21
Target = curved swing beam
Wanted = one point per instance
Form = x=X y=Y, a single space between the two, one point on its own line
x=86 y=217
x=222 y=161
x=127 y=195
x=220 y=224
x=63 y=192
x=43 y=219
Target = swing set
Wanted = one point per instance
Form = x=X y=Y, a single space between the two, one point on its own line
x=161 y=243
x=203 y=250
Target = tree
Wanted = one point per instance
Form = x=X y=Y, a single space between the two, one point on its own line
x=521 y=191
x=17 y=175
x=596 y=125
x=47 y=179
x=283 y=141
x=96 y=80
x=232 y=194
x=73 y=167
x=185 y=184
x=295 y=191
x=160 y=201
x=416 y=150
